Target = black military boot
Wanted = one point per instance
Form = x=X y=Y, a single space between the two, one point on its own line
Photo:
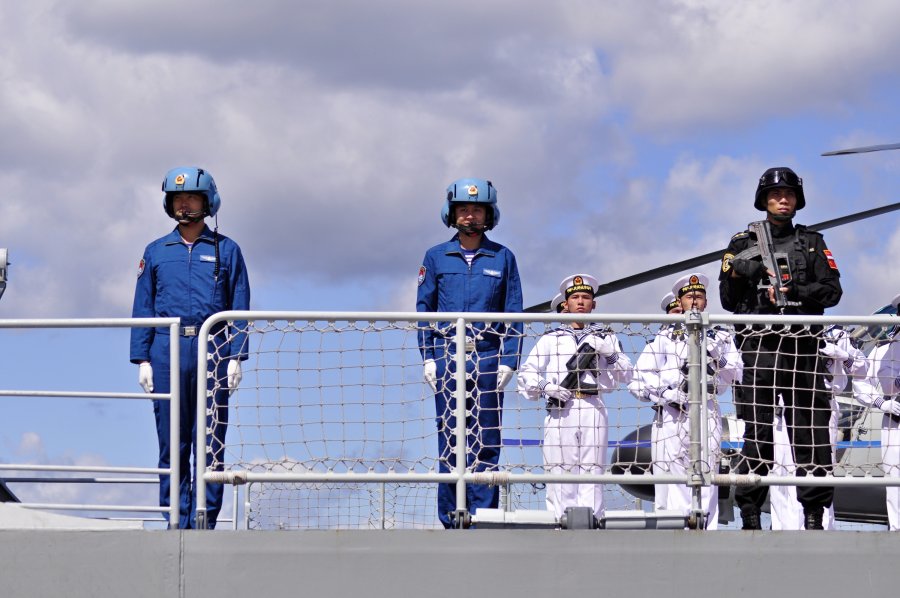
x=750 y=517
x=812 y=518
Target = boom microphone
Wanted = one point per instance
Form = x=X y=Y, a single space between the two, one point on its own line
x=185 y=216
x=470 y=229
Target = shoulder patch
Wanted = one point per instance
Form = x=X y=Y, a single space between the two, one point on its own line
x=831 y=263
x=422 y=272
x=726 y=261
x=141 y=267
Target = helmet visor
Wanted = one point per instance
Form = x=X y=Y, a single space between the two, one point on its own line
x=772 y=178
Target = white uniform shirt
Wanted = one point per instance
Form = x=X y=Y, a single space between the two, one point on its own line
x=659 y=367
x=546 y=363
x=880 y=381
x=844 y=359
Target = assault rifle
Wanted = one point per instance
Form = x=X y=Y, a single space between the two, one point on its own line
x=584 y=360
x=711 y=371
x=775 y=261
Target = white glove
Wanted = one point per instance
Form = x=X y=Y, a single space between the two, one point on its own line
x=145 y=376
x=605 y=345
x=504 y=375
x=234 y=375
x=891 y=406
x=717 y=342
x=834 y=352
x=675 y=397
x=558 y=392
x=430 y=374
x=716 y=349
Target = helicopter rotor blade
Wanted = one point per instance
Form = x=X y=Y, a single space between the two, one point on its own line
x=862 y=150
x=854 y=217
x=706 y=258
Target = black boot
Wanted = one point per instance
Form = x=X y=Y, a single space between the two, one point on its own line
x=812 y=518
x=750 y=517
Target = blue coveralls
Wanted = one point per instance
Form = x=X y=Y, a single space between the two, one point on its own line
x=175 y=280
x=491 y=284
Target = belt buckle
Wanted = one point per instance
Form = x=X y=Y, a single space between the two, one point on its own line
x=189 y=331
x=470 y=344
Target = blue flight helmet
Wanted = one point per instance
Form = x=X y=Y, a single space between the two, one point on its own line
x=190 y=179
x=472 y=191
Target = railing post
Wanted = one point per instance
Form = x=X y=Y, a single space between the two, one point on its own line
x=200 y=440
x=247 y=507
x=236 y=496
x=460 y=410
x=174 y=428
x=705 y=476
x=696 y=410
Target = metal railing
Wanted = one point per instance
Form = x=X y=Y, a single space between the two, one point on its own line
x=696 y=323
x=172 y=396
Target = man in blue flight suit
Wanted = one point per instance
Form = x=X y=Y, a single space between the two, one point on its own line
x=190 y=273
x=470 y=273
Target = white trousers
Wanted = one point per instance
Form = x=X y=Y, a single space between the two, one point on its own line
x=785 y=509
x=575 y=441
x=671 y=455
x=890 y=462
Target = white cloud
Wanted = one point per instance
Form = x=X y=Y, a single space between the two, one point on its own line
x=681 y=64
x=333 y=129
x=31 y=444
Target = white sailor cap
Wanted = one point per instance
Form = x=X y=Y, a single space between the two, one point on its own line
x=896 y=302
x=578 y=282
x=690 y=282
x=668 y=302
x=556 y=304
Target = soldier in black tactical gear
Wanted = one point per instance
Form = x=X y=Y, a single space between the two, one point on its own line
x=783 y=360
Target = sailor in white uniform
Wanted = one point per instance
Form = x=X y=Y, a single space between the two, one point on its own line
x=880 y=389
x=660 y=379
x=670 y=305
x=572 y=367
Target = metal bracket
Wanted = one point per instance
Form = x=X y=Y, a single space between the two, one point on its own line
x=460 y=519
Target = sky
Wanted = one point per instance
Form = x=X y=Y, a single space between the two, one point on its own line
x=621 y=136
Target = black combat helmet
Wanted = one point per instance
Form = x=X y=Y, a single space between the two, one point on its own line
x=780 y=176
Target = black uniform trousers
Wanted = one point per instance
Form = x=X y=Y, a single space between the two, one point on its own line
x=788 y=364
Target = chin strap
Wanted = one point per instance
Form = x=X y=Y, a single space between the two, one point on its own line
x=783 y=217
